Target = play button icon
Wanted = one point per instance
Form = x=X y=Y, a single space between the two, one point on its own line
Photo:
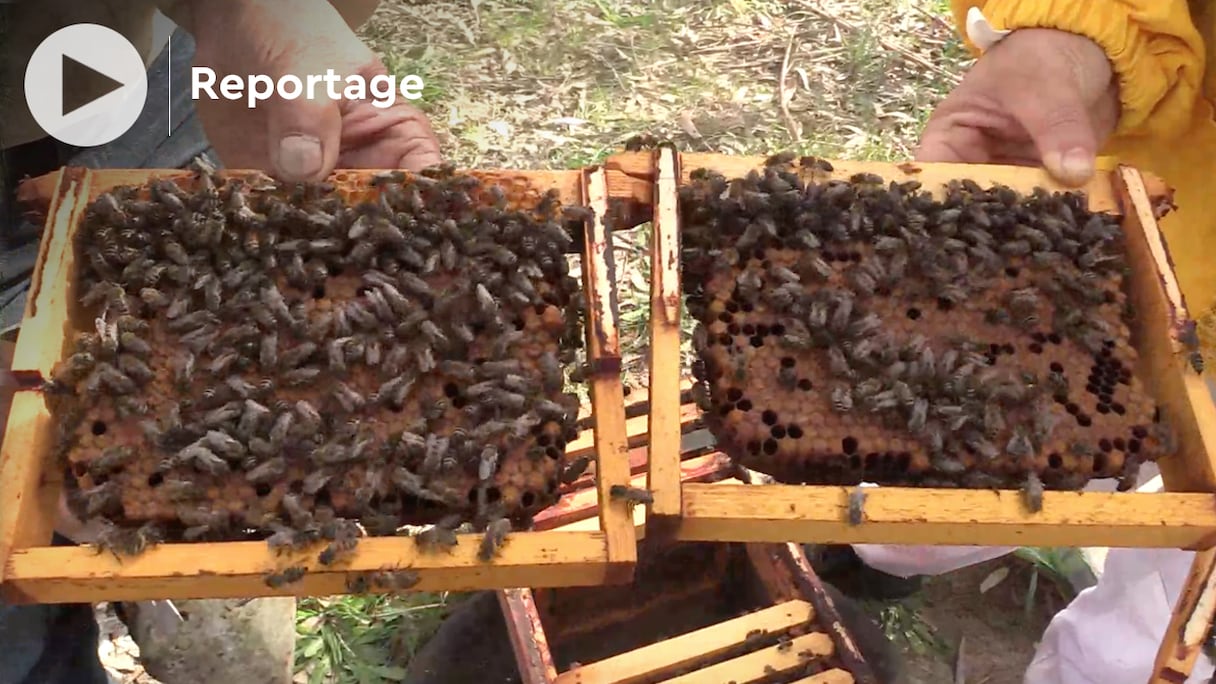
x=86 y=85
x=74 y=96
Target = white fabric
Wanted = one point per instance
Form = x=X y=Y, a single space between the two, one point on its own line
x=1110 y=633
x=906 y=561
x=980 y=32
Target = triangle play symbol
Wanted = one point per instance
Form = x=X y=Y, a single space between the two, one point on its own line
x=75 y=76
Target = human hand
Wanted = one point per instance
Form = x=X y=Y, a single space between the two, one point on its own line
x=1038 y=97
x=300 y=139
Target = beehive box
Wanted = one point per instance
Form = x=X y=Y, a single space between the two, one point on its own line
x=33 y=571
x=780 y=625
x=1156 y=360
x=780 y=604
x=788 y=629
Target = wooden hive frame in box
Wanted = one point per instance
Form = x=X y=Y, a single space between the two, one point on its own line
x=33 y=571
x=1181 y=517
x=732 y=650
x=738 y=649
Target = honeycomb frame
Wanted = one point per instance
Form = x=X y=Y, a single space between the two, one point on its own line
x=1177 y=518
x=33 y=571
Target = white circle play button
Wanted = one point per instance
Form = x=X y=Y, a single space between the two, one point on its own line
x=86 y=85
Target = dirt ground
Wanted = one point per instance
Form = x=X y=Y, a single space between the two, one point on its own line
x=1001 y=635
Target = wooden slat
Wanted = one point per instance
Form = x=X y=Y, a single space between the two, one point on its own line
x=896 y=515
x=582 y=504
x=631 y=174
x=1190 y=623
x=27 y=510
x=237 y=569
x=702 y=644
x=592 y=524
x=802 y=575
x=527 y=635
x=607 y=393
x=762 y=664
x=833 y=676
x=665 y=363
x=637 y=432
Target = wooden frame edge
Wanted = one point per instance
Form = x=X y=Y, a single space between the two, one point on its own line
x=920 y=516
x=607 y=392
x=75 y=574
x=527 y=634
x=1183 y=393
x=663 y=472
x=26 y=432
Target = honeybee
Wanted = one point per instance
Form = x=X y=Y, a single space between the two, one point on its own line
x=288 y=576
x=493 y=539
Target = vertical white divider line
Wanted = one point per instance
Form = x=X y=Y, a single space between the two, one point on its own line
x=169 y=82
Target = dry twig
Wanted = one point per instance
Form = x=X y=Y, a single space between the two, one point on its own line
x=790 y=123
x=951 y=78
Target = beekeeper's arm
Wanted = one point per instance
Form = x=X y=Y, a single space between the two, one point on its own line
x=1057 y=79
x=1153 y=47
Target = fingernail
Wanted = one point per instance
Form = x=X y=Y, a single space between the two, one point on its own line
x=1076 y=165
x=300 y=157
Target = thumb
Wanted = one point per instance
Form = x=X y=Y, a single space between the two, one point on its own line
x=304 y=137
x=1058 y=122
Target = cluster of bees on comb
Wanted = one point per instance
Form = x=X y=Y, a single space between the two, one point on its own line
x=863 y=331
x=313 y=363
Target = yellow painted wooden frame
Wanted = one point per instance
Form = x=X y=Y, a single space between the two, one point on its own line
x=1183 y=517
x=31 y=571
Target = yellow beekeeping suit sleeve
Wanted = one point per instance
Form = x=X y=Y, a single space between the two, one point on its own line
x=1153 y=45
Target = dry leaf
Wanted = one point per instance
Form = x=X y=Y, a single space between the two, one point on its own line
x=639 y=281
x=553 y=137
x=802 y=76
x=686 y=124
x=567 y=121
x=994 y=578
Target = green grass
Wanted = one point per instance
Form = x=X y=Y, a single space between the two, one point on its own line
x=626 y=19
x=1053 y=566
x=424 y=64
x=903 y=625
x=363 y=639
